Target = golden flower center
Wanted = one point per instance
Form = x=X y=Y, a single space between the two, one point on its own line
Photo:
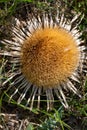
x=49 y=56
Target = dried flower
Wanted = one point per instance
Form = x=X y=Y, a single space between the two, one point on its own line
x=48 y=56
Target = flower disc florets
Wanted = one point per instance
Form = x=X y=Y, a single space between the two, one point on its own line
x=49 y=57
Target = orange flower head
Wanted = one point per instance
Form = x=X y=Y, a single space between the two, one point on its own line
x=49 y=57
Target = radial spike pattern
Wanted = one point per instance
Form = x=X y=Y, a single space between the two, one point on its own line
x=48 y=58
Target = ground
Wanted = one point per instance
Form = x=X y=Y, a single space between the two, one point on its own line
x=18 y=117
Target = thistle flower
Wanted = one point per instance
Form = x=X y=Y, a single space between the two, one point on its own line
x=48 y=56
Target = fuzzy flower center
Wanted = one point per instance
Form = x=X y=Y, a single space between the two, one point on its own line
x=49 y=56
